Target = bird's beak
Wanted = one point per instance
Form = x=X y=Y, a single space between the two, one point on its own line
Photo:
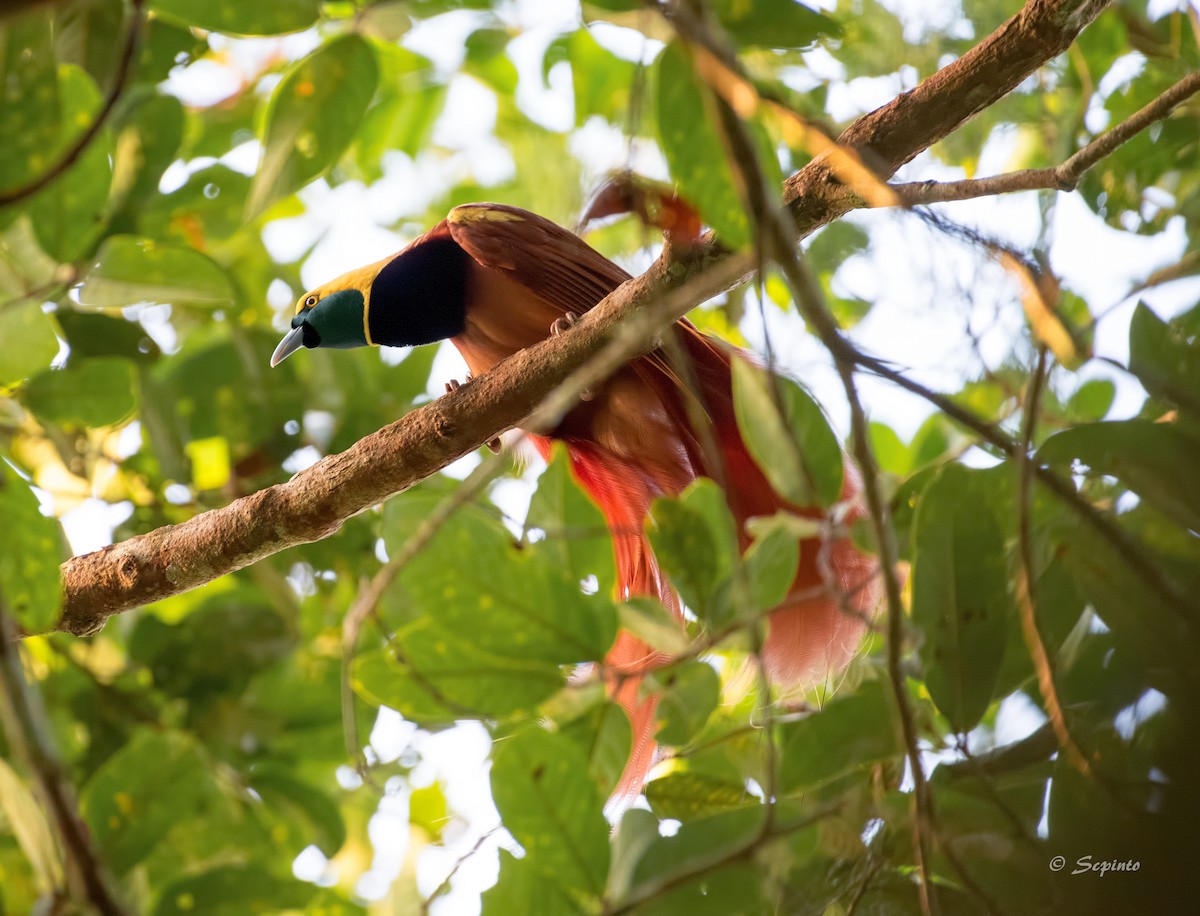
x=292 y=341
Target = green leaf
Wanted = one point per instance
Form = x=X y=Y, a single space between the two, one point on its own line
x=653 y=624
x=29 y=117
x=1165 y=359
x=851 y=732
x=29 y=555
x=960 y=590
x=91 y=335
x=687 y=795
x=786 y=432
x=576 y=533
x=234 y=17
x=697 y=846
x=783 y=24
x=1155 y=460
x=232 y=890
x=1091 y=401
x=443 y=677
x=890 y=451
x=25 y=820
x=690 y=692
x=130 y=270
x=147 y=138
x=553 y=809
x=66 y=214
x=318 y=817
x=312 y=118
x=695 y=153
x=477 y=582
x=601 y=80
x=773 y=559
x=154 y=782
x=694 y=541
x=29 y=341
x=521 y=880
x=95 y=392
x=603 y=734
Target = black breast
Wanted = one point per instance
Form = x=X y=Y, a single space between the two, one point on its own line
x=420 y=296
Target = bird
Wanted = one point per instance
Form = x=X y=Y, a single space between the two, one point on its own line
x=494 y=279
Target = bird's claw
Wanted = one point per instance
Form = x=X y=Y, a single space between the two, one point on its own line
x=563 y=324
x=493 y=445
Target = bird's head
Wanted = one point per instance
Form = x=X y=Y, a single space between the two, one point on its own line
x=415 y=297
x=332 y=315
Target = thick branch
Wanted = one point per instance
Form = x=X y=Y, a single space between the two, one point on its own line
x=317 y=501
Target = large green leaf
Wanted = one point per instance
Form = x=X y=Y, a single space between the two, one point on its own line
x=695 y=542
x=552 y=808
x=696 y=154
x=689 y=694
x=29 y=341
x=1155 y=460
x=230 y=890
x=442 y=676
x=67 y=213
x=512 y=600
x=849 y=733
x=94 y=392
x=773 y=23
x=129 y=271
x=262 y=17
x=574 y=528
x=788 y=435
x=154 y=782
x=312 y=118
x=1165 y=358
x=960 y=590
x=29 y=555
x=29 y=117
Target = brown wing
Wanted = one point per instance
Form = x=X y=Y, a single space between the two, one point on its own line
x=554 y=264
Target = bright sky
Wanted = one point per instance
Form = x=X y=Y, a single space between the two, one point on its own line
x=916 y=280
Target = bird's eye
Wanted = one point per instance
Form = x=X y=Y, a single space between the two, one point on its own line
x=310 y=301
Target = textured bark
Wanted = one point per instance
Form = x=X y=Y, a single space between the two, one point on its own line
x=315 y=503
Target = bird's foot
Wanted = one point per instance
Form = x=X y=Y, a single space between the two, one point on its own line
x=559 y=326
x=492 y=444
x=563 y=324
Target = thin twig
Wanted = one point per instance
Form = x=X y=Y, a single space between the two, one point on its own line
x=652 y=887
x=1062 y=177
x=1026 y=602
x=28 y=732
x=133 y=33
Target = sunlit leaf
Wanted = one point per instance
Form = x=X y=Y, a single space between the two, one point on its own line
x=29 y=555
x=553 y=809
x=95 y=392
x=312 y=118
x=788 y=435
x=263 y=17
x=130 y=270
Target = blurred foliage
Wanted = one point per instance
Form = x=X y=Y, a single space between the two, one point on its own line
x=207 y=733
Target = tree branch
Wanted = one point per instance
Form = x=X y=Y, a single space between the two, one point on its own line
x=1062 y=177
x=913 y=121
x=27 y=730
x=317 y=501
